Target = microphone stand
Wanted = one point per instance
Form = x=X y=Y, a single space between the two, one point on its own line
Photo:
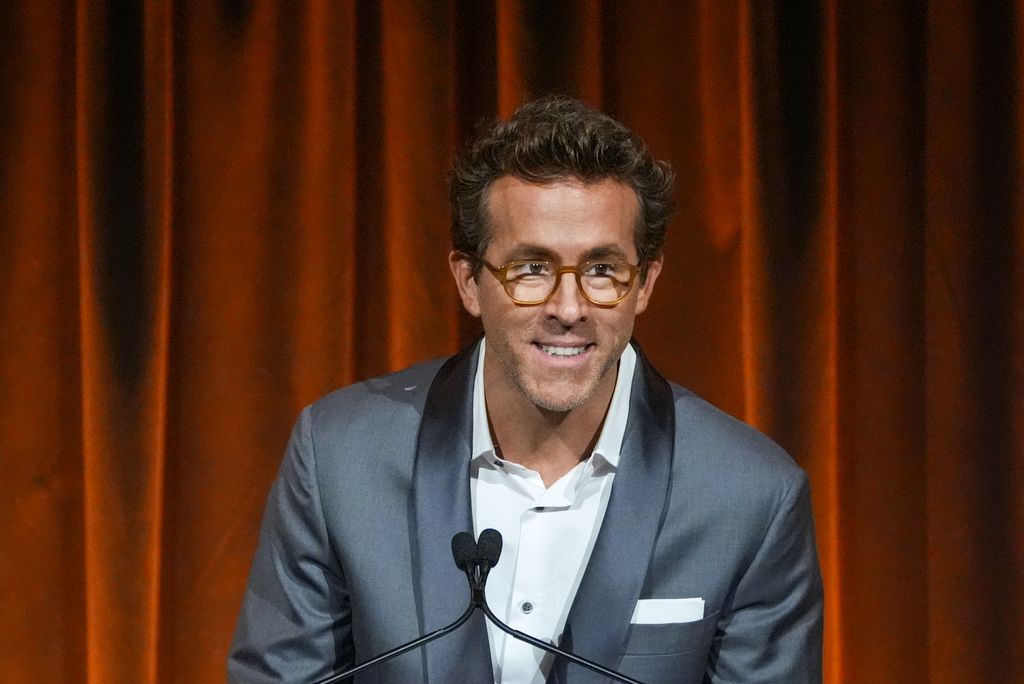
x=554 y=650
x=487 y=557
x=477 y=565
x=464 y=551
x=388 y=655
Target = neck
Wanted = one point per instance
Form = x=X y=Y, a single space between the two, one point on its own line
x=549 y=442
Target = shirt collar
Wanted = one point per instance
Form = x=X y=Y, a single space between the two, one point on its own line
x=609 y=443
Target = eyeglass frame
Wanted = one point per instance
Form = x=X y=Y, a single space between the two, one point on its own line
x=500 y=274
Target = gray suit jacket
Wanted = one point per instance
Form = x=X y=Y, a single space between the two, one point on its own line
x=354 y=555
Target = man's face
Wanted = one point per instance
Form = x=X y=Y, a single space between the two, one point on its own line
x=555 y=355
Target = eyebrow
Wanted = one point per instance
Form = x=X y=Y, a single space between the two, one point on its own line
x=524 y=252
x=604 y=252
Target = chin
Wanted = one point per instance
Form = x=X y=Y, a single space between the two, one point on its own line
x=559 y=402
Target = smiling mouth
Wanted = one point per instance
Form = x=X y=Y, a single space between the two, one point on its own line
x=562 y=351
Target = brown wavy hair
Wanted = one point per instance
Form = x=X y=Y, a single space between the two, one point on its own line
x=553 y=139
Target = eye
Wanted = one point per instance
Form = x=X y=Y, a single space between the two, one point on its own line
x=605 y=269
x=526 y=269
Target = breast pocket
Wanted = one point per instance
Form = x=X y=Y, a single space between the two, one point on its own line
x=675 y=652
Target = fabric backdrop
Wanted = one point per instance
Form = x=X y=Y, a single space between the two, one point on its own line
x=211 y=213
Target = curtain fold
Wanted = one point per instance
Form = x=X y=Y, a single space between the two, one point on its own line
x=974 y=294
x=213 y=213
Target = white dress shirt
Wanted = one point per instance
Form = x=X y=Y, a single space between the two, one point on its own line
x=548 y=532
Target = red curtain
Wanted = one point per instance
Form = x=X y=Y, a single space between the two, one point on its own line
x=212 y=213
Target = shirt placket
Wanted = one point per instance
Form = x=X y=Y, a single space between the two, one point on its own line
x=531 y=608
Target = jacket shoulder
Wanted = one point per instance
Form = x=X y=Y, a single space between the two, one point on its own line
x=367 y=410
x=709 y=439
x=402 y=388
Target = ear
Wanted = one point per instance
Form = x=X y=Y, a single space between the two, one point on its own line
x=462 y=271
x=647 y=289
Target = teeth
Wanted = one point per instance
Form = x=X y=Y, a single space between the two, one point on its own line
x=562 y=351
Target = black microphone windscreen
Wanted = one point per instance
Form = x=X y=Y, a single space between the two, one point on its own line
x=489 y=546
x=464 y=550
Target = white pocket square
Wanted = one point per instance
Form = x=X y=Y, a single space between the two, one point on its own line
x=667 y=611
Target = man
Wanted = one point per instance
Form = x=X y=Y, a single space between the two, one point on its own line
x=643 y=529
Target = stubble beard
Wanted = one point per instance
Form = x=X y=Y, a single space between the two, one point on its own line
x=566 y=404
x=516 y=371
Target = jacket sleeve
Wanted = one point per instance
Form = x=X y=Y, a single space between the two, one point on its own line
x=295 y=624
x=772 y=631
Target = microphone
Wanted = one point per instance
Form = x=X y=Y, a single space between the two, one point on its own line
x=464 y=551
x=488 y=552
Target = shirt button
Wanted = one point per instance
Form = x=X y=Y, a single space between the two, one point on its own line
x=526 y=607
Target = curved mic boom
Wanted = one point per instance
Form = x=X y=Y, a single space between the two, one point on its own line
x=464 y=552
x=488 y=552
x=476 y=560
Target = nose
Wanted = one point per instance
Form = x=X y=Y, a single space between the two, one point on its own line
x=567 y=304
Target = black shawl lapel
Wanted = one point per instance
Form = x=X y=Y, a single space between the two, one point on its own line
x=442 y=507
x=600 y=615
